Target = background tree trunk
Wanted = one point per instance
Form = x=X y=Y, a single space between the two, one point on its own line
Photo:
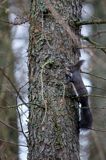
x=98 y=140
x=53 y=118
x=8 y=114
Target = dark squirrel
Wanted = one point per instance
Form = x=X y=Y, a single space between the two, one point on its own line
x=73 y=75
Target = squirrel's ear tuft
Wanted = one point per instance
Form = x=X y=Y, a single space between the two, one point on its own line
x=79 y=64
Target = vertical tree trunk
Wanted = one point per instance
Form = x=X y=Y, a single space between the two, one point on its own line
x=53 y=118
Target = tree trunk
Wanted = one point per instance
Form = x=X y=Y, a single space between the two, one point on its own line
x=53 y=118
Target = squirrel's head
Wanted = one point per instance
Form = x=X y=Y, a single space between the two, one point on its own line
x=72 y=68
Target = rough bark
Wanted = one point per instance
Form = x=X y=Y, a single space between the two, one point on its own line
x=53 y=118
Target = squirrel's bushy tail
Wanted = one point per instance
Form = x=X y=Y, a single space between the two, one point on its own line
x=86 y=118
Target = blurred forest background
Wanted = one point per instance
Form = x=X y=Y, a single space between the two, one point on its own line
x=13 y=75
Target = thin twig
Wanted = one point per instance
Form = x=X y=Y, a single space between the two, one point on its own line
x=14 y=87
x=96 y=95
x=9 y=126
x=93 y=43
x=95 y=87
x=94 y=75
x=21 y=125
x=98 y=130
x=98 y=33
x=90 y=22
x=12 y=143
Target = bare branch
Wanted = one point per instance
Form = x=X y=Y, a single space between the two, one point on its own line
x=93 y=43
x=9 y=126
x=21 y=125
x=98 y=33
x=14 y=87
x=12 y=143
x=94 y=75
x=95 y=87
x=17 y=21
x=90 y=22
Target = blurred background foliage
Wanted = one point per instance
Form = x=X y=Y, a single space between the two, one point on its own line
x=9 y=125
x=8 y=115
x=8 y=110
x=98 y=140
